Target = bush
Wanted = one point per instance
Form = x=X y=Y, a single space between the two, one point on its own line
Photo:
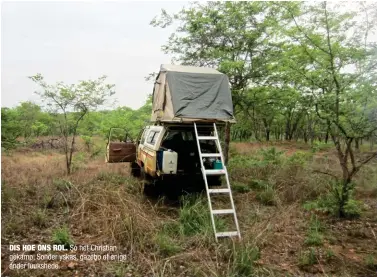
x=78 y=160
x=111 y=177
x=240 y=187
x=329 y=203
x=272 y=156
x=62 y=236
x=329 y=254
x=166 y=245
x=299 y=158
x=268 y=196
x=371 y=262
x=40 y=218
x=62 y=185
x=87 y=141
x=259 y=184
x=243 y=258
x=194 y=216
x=314 y=238
x=308 y=257
x=353 y=208
x=319 y=146
x=244 y=162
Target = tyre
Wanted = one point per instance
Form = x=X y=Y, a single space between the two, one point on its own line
x=135 y=169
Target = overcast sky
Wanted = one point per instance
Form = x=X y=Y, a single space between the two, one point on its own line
x=71 y=41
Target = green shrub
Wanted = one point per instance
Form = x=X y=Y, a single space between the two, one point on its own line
x=353 y=208
x=258 y=184
x=245 y=162
x=172 y=228
x=112 y=177
x=329 y=203
x=299 y=158
x=166 y=245
x=325 y=203
x=244 y=257
x=314 y=238
x=78 y=161
x=62 y=236
x=9 y=196
x=329 y=254
x=272 y=156
x=315 y=224
x=308 y=257
x=268 y=196
x=40 y=218
x=371 y=262
x=87 y=141
x=96 y=151
x=62 y=185
x=319 y=146
x=194 y=216
x=240 y=187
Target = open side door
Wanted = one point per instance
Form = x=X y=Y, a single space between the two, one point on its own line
x=120 y=147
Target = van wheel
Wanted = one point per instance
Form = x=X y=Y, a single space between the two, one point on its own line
x=135 y=169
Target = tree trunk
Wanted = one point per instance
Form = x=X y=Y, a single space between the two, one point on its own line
x=357 y=147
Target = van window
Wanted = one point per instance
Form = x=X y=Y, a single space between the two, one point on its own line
x=143 y=136
x=152 y=138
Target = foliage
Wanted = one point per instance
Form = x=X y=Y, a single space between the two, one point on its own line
x=329 y=203
x=166 y=245
x=296 y=70
x=272 y=156
x=268 y=196
x=40 y=218
x=314 y=236
x=299 y=158
x=244 y=256
x=76 y=100
x=308 y=257
x=62 y=236
x=194 y=217
x=240 y=187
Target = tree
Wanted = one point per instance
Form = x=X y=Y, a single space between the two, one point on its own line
x=230 y=36
x=329 y=53
x=70 y=104
x=10 y=128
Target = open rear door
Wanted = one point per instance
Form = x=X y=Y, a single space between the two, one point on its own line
x=120 y=147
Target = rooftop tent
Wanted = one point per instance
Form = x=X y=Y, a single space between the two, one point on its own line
x=191 y=94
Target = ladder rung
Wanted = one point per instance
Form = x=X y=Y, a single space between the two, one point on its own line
x=226 y=211
x=227 y=234
x=206 y=137
x=205 y=155
x=218 y=190
x=215 y=172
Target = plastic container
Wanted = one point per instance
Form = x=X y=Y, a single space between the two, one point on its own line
x=218 y=164
x=169 y=162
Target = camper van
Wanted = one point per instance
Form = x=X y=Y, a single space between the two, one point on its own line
x=168 y=147
x=189 y=103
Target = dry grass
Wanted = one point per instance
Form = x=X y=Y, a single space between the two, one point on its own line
x=101 y=204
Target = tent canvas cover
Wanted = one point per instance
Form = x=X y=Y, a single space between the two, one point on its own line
x=191 y=94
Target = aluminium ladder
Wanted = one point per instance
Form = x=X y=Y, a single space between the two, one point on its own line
x=227 y=190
